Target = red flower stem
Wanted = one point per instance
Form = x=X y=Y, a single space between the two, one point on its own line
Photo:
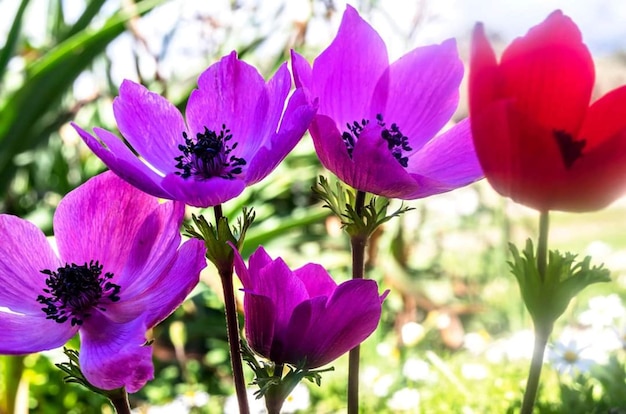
x=542 y=330
x=119 y=400
x=232 y=327
x=358 y=243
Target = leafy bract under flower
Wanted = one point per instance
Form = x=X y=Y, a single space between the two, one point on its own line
x=237 y=130
x=302 y=317
x=377 y=122
x=537 y=138
x=120 y=270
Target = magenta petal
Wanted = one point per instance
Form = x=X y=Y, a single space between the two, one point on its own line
x=97 y=221
x=277 y=282
x=157 y=295
x=330 y=148
x=24 y=253
x=316 y=279
x=301 y=71
x=350 y=316
x=346 y=73
x=378 y=171
x=294 y=124
x=26 y=334
x=121 y=160
x=423 y=91
x=202 y=193
x=260 y=315
x=231 y=93
x=150 y=123
x=115 y=355
x=277 y=88
x=447 y=162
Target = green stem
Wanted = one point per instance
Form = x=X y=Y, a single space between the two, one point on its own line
x=542 y=330
x=120 y=402
x=542 y=245
x=358 y=243
x=225 y=271
x=275 y=398
x=14 y=368
x=532 y=385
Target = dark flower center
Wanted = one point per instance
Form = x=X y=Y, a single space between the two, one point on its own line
x=209 y=156
x=570 y=150
x=397 y=142
x=74 y=290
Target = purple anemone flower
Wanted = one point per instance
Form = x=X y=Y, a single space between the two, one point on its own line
x=302 y=317
x=377 y=122
x=120 y=269
x=238 y=129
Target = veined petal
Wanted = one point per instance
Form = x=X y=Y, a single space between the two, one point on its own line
x=483 y=74
x=203 y=193
x=549 y=74
x=157 y=295
x=346 y=73
x=278 y=88
x=249 y=276
x=24 y=253
x=115 y=355
x=297 y=118
x=121 y=160
x=316 y=279
x=150 y=123
x=260 y=316
x=152 y=248
x=349 y=317
x=449 y=161
x=98 y=219
x=424 y=91
x=231 y=93
x=26 y=334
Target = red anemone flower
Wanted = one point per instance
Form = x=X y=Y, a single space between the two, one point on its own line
x=537 y=137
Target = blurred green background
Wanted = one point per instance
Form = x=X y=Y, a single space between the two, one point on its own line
x=454 y=334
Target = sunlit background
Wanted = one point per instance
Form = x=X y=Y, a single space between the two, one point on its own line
x=454 y=337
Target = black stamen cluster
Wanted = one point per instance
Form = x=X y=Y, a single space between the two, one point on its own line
x=570 y=150
x=73 y=290
x=209 y=156
x=397 y=142
x=350 y=138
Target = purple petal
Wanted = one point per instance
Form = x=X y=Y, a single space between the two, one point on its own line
x=259 y=323
x=232 y=93
x=350 y=316
x=150 y=123
x=202 y=193
x=249 y=276
x=316 y=279
x=297 y=334
x=301 y=70
x=423 y=91
x=378 y=171
x=121 y=160
x=345 y=74
x=26 y=334
x=24 y=253
x=157 y=295
x=277 y=282
x=99 y=220
x=294 y=124
x=330 y=148
x=447 y=162
x=277 y=88
x=115 y=355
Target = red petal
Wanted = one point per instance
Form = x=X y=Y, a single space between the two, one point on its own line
x=550 y=74
x=483 y=72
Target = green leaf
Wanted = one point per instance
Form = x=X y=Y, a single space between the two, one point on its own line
x=9 y=46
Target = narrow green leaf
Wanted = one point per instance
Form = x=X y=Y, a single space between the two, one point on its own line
x=9 y=46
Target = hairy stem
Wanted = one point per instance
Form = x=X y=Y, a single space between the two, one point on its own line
x=225 y=271
x=119 y=400
x=358 y=243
